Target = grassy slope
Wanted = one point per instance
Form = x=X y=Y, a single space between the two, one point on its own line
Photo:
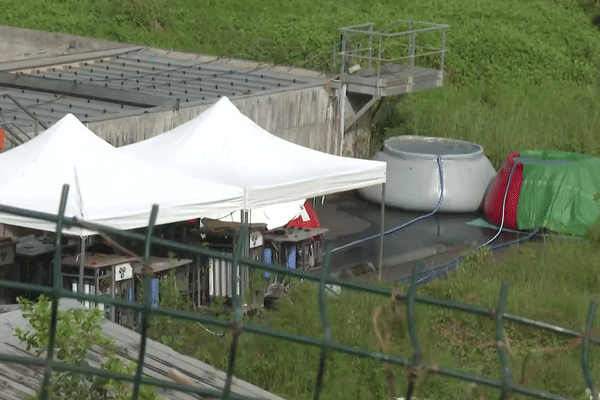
x=522 y=74
x=540 y=39
x=546 y=284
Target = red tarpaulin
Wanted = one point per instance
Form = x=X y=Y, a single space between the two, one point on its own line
x=307 y=218
x=494 y=206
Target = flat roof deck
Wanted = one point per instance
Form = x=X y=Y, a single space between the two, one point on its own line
x=394 y=80
x=129 y=79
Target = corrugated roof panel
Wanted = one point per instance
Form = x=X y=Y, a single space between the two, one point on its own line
x=145 y=72
x=142 y=78
x=49 y=108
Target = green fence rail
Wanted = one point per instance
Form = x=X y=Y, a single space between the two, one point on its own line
x=237 y=326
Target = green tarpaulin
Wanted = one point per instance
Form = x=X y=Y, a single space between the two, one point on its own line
x=560 y=191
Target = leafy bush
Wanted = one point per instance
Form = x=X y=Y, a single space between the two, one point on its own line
x=77 y=330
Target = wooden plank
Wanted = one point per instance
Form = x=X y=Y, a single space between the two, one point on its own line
x=161 y=362
x=199 y=371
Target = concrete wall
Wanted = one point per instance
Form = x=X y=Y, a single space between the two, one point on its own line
x=308 y=117
x=22 y=44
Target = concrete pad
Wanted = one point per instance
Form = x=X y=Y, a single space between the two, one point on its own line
x=341 y=224
x=434 y=241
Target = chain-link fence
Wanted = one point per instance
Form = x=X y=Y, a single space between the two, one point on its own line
x=237 y=325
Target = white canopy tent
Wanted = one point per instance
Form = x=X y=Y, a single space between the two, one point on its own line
x=106 y=186
x=223 y=145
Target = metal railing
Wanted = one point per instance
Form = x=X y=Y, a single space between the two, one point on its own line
x=237 y=326
x=393 y=44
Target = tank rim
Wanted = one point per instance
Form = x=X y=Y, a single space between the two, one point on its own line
x=389 y=143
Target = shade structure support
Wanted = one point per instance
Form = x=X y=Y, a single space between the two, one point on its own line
x=81 y=264
x=380 y=261
x=245 y=220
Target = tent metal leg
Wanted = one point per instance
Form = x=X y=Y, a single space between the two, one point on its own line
x=382 y=230
x=81 y=265
x=240 y=270
x=246 y=221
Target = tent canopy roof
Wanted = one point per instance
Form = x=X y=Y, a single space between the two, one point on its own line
x=106 y=186
x=222 y=145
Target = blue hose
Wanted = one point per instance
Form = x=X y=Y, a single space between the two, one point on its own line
x=444 y=268
x=398 y=228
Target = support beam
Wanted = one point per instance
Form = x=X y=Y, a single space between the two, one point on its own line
x=77 y=89
x=22 y=107
x=81 y=265
x=384 y=111
x=360 y=112
x=380 y=261
x=65 y=59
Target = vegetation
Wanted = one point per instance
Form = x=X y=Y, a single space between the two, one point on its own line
x=548 y=281
x=504 y=118
x=520 y=74
x=77 y=330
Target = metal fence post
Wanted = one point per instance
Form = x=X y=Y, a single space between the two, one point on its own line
x=412 y=331
x=506 y=375
x=343 y=53
x=370 y=46
x=411 y=49
x=443 y=49
x=382 y=232
x=589 y=323
x=236 y=323
x=324 y=322
x=55 y=295
x=147 y=279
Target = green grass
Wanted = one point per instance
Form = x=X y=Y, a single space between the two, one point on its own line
x=536 y=41
x=553 y=281
x=520 y=75
x=504 y=118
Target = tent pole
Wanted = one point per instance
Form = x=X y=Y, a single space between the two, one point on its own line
x=382 y=230
x=81 y=264
x=246 y=219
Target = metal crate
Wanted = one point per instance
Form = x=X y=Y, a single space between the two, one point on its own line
x=217 y=273
x=107 y=275
x=297 y=248
x=7 y=258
